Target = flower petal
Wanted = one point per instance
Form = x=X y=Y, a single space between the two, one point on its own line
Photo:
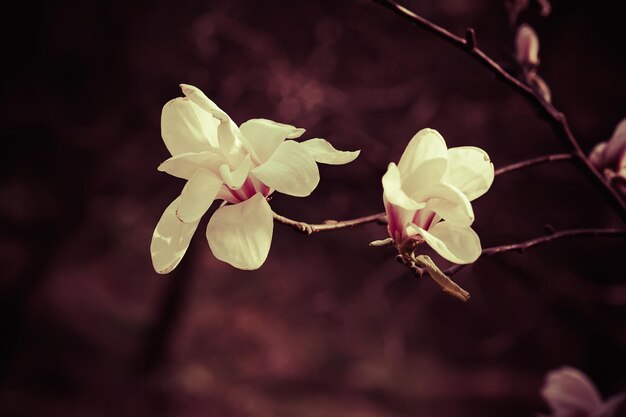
x=186 y=127
x=393 y=192
x=568 y=391
x=231 y=141
x=241 y=234
x=265 y=136
x=458 y=244
x=426 y=145
x=170 y=240
x=197 y=195
x=448 y=202
x=323 y=152
x=470 y=170
x=186 y=164
x=397 y=220
x=235 y=179
x=290 y=170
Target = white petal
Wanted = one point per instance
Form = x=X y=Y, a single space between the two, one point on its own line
x=427 y=144
x=241 y=234
x=470 y=170
x=570 y=392
x=186 y=164
x=393 y=192
x=170 y=240
x=231 y=141
x=290 y=170
x=458 y=244
x=266 y=135
x=198 y=97
x=186 y=127
x=197 y=195
x=235 y=179
x=426 y=174
x=323 y=152
x=448 y=202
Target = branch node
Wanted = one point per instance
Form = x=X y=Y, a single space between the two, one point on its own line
x=470 y=38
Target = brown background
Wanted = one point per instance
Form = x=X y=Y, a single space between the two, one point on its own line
x=328 y=326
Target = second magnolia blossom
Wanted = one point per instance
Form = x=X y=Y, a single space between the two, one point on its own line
x=427 y=196
x=241 y=165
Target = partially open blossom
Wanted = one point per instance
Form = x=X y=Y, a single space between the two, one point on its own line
x=427 y=195
x=570 y=393
x=241 y=165
x=610 y=156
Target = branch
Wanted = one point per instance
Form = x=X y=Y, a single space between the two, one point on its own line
x=535 y=161
x=522 y=246
x=330 y=225
x=557 y=120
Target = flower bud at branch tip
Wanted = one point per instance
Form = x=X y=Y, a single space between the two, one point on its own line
x=470 y=38
x=527 y=47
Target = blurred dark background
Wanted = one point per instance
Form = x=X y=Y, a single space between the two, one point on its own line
x=328 y=326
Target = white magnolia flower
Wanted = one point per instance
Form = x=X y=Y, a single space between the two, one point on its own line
x=427 y=195
x=570 y=393
x=241 y=165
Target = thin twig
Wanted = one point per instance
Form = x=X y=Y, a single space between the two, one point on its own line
x=535 y=161
x=557 y=120
x=330 y=225
x=522 y=246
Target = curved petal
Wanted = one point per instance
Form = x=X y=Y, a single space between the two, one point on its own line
x=458 y=244
x=427 y=144
x=186 y=164
x=470 y=170
x=197 y=195
x=231 y=141
x=397 y=220
x=570 y=392
x=265 y=136
x=235 y=179
x=323 y=152
x=393 y=192
x=290 y=170
x=428 y=173
x=241 y=234
x=170 y=240
x=448 y=202
x=185 y=127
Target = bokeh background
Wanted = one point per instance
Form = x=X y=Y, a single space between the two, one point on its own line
x=328 y=326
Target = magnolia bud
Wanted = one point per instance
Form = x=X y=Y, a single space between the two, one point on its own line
x=527 y=46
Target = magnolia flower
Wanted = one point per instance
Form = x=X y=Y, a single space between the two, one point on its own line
x=570 y=393
x=610 y=156
x=241 y=165
x=427 y=195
